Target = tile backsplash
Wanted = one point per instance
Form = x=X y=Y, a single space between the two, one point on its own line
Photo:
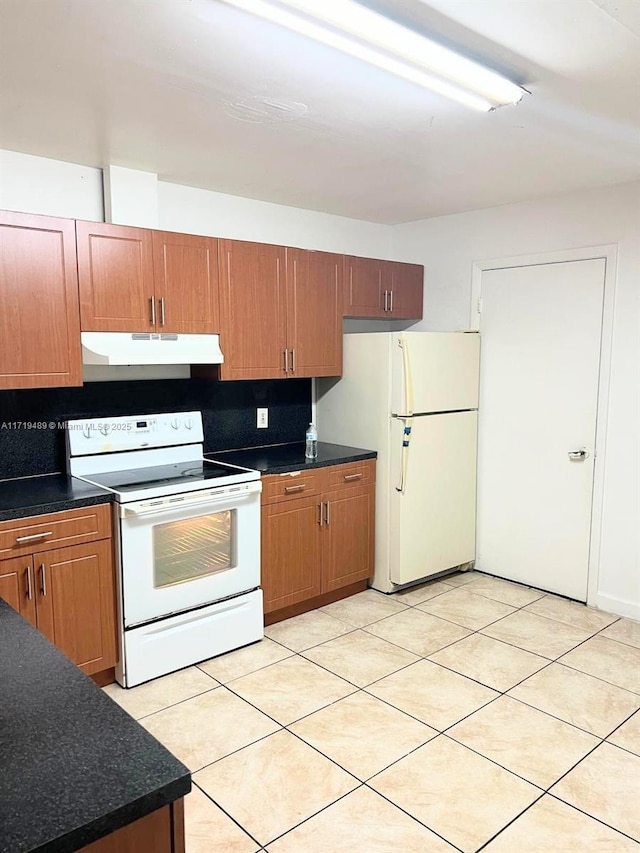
x=228 y=410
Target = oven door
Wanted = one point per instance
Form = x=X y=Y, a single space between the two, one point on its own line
x=186 y=551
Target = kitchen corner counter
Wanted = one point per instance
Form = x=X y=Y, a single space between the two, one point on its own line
x=283 y=458
x=48 y=493
x=75 y=766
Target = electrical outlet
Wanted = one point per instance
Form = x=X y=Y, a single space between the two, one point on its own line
x=262 y=420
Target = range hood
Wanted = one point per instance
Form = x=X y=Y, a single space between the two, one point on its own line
x=119 y=348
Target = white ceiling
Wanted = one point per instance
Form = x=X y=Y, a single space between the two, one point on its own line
x=151 y=84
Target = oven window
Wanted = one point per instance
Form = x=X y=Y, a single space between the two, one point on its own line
x=193 y=548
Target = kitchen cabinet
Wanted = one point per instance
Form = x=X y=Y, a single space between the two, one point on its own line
x=280 y=312
x=388 y=290
x=317 y=536
x=162 y=831
x=138 y=280
x=39 y=316
x=68 y=591
x=252 y=310
x=314 y=315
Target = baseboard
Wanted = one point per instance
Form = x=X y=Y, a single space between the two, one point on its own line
x=619 y=606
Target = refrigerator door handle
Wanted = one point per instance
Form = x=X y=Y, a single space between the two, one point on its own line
x=406 y=370
x=404 y=457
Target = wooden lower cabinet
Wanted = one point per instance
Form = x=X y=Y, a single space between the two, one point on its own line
x=76 y=603
x=161 y=831
x=313 y=547
x=348 y=546
x=68 y=593
x=16 y=586
x=291 y=552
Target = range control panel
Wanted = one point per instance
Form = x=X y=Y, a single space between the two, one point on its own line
x=89 y=436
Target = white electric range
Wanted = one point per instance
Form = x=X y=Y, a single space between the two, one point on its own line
x=188 y=540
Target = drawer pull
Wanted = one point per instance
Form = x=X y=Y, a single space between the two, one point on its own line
x=34 y=536
x=27 y=573
x=289 y=490
x=349 y=478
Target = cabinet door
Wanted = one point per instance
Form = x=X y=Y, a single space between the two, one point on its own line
x=76 y=603
x=252 y=310
x=39 y=315
x=365 y=283
x=186 y=283
x=348 y=535
x=407 y=285
x=17 y=586
x=314 y=312
x=115 y=271
x=291 y=552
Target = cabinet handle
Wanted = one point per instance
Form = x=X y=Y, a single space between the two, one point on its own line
x=348 y=478
x=386 y=295
x=152 y=303
x=162 y=310
x=391 y=300
x=286 y=360
x=327 y=515
x=27 y=573
x=293 y=360
x=289 y=490
x=43 y=579
x=34 y=536
x=320 y=519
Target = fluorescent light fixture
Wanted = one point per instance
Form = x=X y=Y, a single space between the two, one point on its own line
x=364 y=34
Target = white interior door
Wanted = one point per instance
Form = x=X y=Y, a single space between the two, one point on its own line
x=541 y=329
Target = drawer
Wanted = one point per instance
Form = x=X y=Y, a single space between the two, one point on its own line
x=351 y=474
x=297 y=484
x=54 y=530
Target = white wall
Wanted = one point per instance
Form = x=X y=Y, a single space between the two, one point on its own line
x=198 y=211
x=449 y=245
x=39 y=185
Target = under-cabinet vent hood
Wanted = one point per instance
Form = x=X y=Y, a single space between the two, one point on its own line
x=119 y=348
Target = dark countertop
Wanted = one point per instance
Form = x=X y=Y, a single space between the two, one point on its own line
x=49 y=493
x=57 y=492
x=75 y=766
x=282 y=458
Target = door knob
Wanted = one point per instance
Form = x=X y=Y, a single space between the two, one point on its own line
x=578 y=455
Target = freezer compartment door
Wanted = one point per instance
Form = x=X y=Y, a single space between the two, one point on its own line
x=434 y=372
x=433 y=524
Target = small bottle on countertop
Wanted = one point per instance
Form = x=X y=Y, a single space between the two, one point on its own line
x=311 y=446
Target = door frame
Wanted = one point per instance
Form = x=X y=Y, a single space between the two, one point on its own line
x=610 y=255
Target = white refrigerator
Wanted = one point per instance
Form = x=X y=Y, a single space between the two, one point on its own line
x=413 y=397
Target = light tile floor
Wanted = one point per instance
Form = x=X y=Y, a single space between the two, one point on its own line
x=467 y=714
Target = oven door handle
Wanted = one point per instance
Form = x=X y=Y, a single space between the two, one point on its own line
x=138 y=510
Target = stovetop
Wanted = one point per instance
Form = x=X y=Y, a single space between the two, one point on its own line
x=175 y=478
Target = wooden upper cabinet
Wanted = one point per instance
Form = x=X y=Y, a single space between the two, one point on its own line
x=39 y=315
x=314 y=313
x=252 y=310
x=388 y=290
x=406 y=282
x=364 y=286
x=186 y=283
x=115 y=272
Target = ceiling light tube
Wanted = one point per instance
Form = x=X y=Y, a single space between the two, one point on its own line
x=370 y=37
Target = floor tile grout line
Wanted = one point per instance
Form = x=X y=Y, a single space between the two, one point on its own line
x=512 y=821
x=413 y=817
x=173 y=704
x=315 y=814
x=593 y=817
x=230 y=816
